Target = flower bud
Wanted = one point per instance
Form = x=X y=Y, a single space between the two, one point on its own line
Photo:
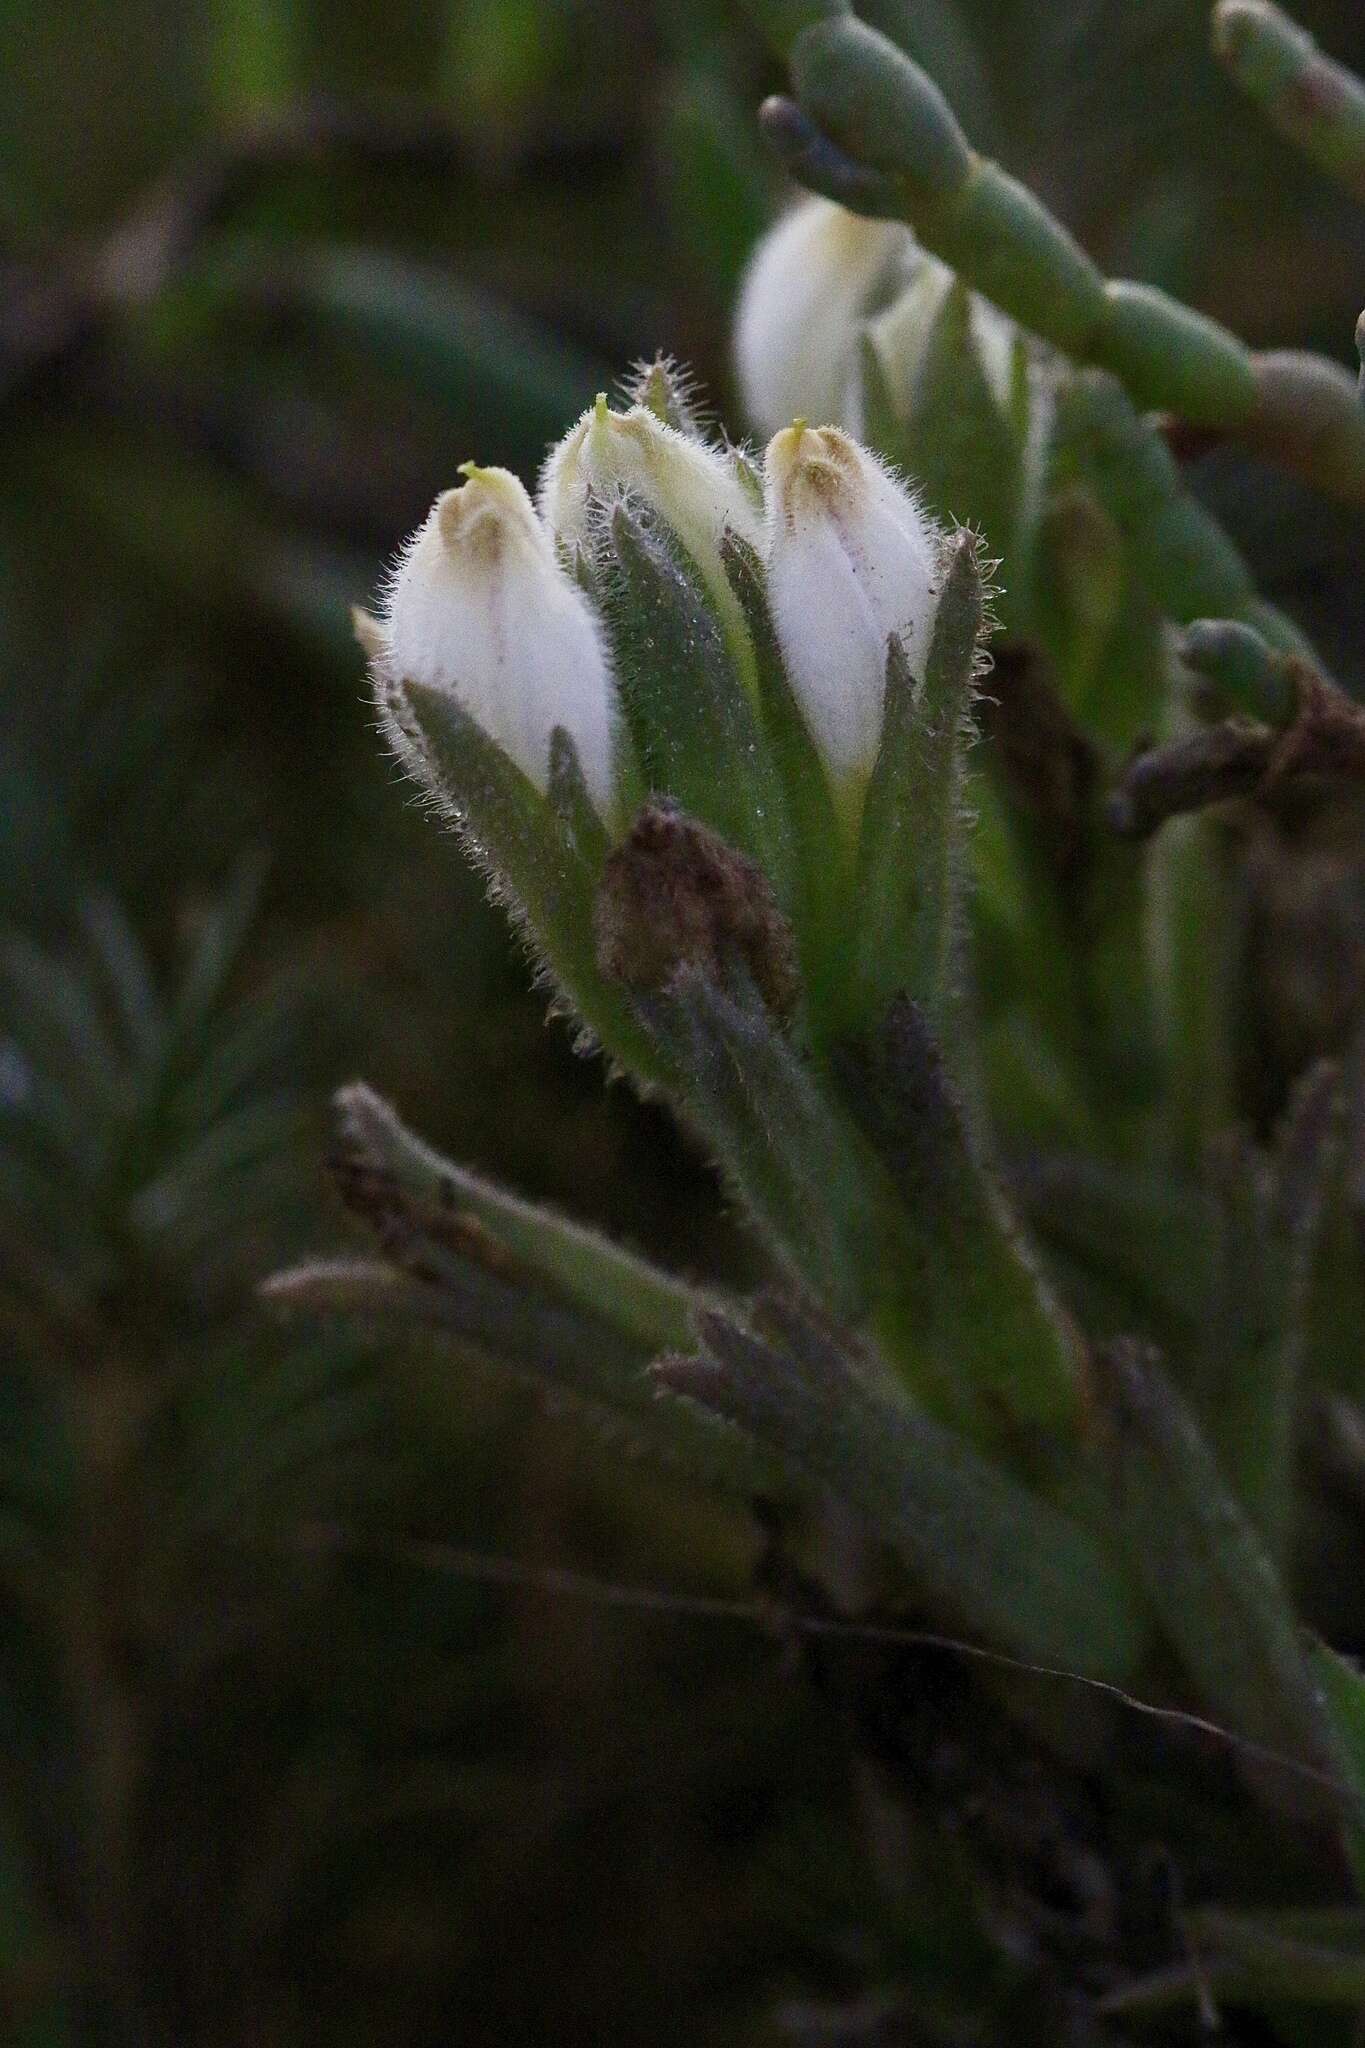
x=811 y=282
x=696 y=490
x=901 y=336
x=480 y=606
x=852 y=559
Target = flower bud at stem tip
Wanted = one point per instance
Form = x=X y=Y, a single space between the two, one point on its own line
x=853 y=562
x=479 y=606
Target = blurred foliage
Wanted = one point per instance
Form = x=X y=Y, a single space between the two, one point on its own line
x=275 y=1772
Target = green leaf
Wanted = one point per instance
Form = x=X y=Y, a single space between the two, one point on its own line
x=1266 y=1214
x=509 y=1285
x=821 y=914
x=465 y=350
x=1195 y=943
x=957 y=441
x=803 y=1176
x=910 y=848
x=1313 y=1957
x=1143 y=1233
x=717 y=179
x=1211 y=1582
x=883 y=426
x=1343 y=1689
x=1100 y=628
x=963 y=1309
x=536 y=868
x=486 y=1320
x=639 y=1298
x=691 y=715
x=569 y=800
x=989 y=1554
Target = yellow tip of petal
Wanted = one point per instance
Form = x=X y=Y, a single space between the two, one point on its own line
x=488 y=507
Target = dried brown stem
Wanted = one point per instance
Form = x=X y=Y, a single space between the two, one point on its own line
x=1239 y=760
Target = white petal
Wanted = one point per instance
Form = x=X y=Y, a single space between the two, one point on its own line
x=479 y=606
x=811 y=282
x=900 y=335
x=834 y=650
x=852 y=559
x=692 y=486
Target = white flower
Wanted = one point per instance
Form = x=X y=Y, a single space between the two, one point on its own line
x=696 y=490
x=480 y=606
x=900 y=336
x=852 y=558
x=811 y=283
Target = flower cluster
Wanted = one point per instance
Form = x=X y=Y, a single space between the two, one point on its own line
x=613 y=610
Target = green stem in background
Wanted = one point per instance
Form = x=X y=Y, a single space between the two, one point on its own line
x=1194 y=944
x=1186 y=562
x=1247 y=674
x=872 y=121
x=1316 y=104
x=782 y=21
